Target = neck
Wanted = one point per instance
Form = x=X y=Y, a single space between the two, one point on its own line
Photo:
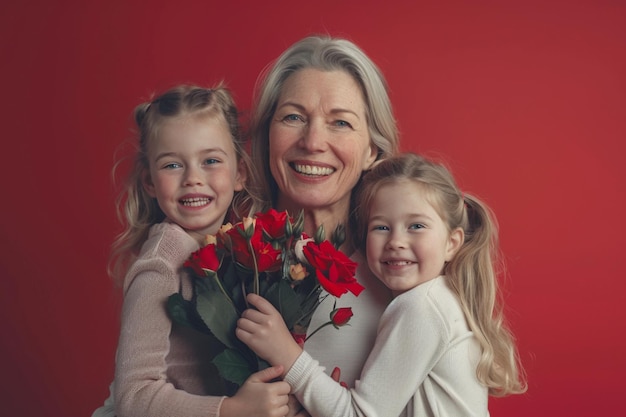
x=314 y=219
x=329 y=217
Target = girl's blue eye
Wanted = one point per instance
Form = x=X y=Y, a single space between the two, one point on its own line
x=173 y=165
x=416 y=226
x=211 y=161
x=380 y=228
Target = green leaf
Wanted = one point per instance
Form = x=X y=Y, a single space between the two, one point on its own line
x=217 y=311
x=286 y=301
x=233 y=366
x=179 y=310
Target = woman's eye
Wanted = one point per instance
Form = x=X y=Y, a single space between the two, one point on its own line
x=342 y=123
x=293 y=119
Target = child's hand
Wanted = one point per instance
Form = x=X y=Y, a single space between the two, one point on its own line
x=258 y=397
x=336 y=375
x=265 y=332
x=296 y=409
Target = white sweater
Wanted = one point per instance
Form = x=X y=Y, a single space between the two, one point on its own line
x=423 y=364
x=349 y=346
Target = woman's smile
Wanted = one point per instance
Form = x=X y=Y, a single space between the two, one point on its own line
x=319 y=140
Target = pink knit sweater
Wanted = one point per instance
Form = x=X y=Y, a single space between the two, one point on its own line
x=161 y=369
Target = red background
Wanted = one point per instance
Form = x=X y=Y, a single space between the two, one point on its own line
x=526 y=100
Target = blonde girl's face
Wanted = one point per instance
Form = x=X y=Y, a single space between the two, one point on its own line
x=407 y=241
x=319 y=140
x=194 y=172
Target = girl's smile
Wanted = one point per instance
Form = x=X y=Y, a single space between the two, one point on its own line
x=407 y=242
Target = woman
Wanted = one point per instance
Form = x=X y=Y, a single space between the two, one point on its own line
x=322 y=116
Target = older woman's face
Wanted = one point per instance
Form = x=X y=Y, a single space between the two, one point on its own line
x=319 y=140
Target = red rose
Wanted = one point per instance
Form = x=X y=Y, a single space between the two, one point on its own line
x=267 y=258
x=334 y=270
x=341 y=316
x=203 y=259
x=300 y=338
x=272 y=222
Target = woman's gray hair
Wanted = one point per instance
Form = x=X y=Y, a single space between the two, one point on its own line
x=326 y=54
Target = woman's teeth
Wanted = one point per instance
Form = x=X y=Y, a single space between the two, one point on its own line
x=313 y=170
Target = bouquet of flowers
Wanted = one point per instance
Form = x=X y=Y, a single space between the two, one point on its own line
x=267 y=254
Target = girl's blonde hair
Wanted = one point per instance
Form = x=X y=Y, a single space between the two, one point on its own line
x=472 y=273
x=323 y=53
x=136 y=209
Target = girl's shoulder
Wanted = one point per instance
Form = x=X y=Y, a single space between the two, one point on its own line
x=433 y=305
x=168 y=240
x=434 y=295
x=165 y=250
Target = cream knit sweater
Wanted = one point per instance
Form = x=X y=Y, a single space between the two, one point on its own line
x=423 y=364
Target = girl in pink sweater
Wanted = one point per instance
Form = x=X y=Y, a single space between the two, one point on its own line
x=189 y=166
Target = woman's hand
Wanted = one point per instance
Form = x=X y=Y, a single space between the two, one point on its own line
x=258 y=397
x=265 y=332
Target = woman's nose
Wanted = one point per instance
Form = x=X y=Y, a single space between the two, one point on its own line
x=314 y=137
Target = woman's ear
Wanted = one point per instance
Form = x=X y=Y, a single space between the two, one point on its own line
x=241 y=176
x=455 y=241
x=148 y=185
x=370 y=158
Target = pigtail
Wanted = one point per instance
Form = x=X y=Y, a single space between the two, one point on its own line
x=473 y=275
x=136 y=210
x=140 y=113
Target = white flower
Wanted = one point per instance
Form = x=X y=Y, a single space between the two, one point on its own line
x=298 y=249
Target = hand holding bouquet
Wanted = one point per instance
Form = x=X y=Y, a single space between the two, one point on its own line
x=268 y=255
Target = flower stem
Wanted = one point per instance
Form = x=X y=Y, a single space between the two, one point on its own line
x=318 y=329
x=255 y=284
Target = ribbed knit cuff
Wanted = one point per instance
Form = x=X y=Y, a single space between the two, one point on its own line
x=301 y=371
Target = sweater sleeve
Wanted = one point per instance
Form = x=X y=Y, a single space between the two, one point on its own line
x=141 y=384
x=409 y=343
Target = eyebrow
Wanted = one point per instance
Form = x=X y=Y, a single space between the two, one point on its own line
x=412 y=217
x=174 y=154
x=303 y=109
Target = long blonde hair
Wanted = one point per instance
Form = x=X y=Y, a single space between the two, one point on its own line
x=136 y=209
x=472 y=273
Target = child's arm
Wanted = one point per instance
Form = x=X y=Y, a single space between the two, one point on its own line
x=408 y=345
x=142 y=386
x=265 y=332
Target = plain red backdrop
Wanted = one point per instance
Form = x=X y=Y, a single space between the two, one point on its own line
x=525 y=100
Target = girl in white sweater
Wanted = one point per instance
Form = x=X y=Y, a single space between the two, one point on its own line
x=442 y=343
